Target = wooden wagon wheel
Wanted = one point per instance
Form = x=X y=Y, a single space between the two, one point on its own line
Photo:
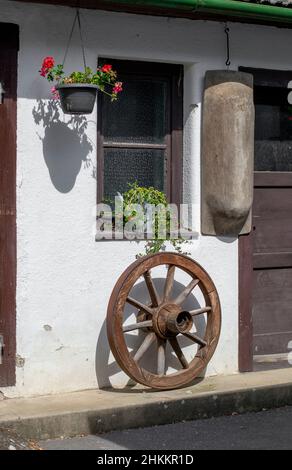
x=162 y=320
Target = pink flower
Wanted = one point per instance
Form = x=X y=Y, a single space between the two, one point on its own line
x=118 y=87
x=55 y=93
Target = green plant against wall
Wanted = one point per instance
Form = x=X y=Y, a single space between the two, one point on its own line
x=164 y=217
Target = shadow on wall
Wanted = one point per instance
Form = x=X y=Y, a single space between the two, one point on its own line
x=105 y=369
x=65 y=144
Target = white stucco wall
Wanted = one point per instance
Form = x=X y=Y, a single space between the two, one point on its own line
x=64 y=276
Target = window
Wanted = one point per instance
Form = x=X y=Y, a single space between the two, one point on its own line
x=273 y=129
x=140 y=135
x=273 y=120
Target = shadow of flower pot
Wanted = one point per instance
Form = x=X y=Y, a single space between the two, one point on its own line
x=64 y=153
x=65 y=144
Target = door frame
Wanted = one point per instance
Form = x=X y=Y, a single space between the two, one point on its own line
x=266 y=77
x=245 y=324
x=9 y=41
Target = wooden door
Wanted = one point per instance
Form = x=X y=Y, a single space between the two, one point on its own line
x=272 y=270
x=266 y=254
x=8 y=87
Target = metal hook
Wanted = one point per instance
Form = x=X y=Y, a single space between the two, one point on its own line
x=2 y=91
x=226 y=31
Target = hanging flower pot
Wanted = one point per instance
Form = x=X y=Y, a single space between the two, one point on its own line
x=77 y=98
x=77 y=91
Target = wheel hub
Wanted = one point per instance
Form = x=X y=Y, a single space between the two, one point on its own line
x=170 y=320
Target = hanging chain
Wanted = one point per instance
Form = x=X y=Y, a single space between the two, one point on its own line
x=76 y=18
x=226 y=31
x=70 y=38
x=81 y=39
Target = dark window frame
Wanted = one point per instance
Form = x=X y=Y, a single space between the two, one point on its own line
x=174 y=138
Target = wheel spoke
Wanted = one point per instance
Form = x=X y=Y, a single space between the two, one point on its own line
x=169 y=282
x=139 y=305
x=180 y=355
x=186 y=292
x=161 y=356
x=136 y=326
x=195 y=339
x=199 y=311
x=151 y=289
x=144 y=346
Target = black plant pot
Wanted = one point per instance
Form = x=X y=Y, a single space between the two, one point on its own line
x=77 y=98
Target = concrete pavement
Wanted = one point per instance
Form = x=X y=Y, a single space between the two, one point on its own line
x=100 y=411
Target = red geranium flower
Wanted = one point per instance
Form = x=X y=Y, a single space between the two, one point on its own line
x=106 y=68
x=48 y=63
